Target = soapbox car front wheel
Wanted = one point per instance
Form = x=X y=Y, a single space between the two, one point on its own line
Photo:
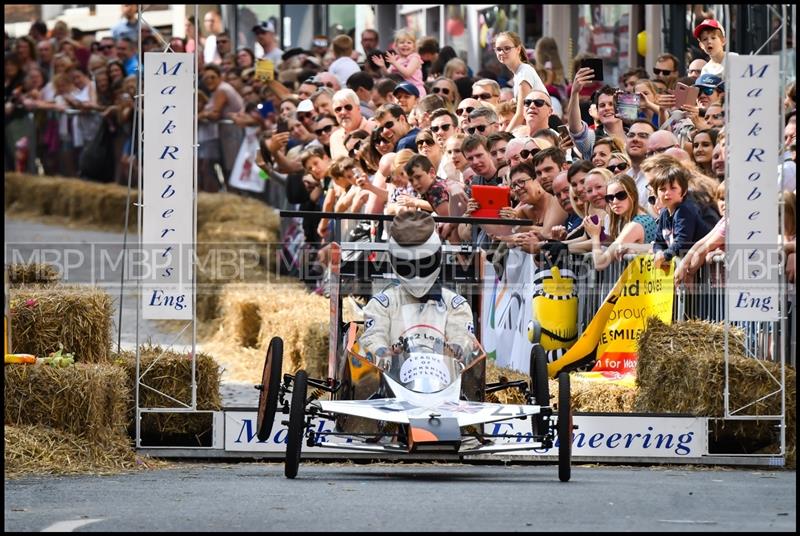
x=540 y=388
x=297 y=424
x=270 y=385
x=564 y=428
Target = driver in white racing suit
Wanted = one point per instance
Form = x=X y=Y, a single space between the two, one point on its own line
x=417 y=310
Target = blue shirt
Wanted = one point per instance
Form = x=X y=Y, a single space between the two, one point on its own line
x=125 y=29
x=409 y=141
x=131 y=65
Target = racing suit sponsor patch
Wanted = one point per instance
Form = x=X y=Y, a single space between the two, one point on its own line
x=457 y=301
x=382 y=298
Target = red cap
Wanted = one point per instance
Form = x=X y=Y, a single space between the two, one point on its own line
x=708 y=24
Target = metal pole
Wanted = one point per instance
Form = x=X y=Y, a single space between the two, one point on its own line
x=139 y=104
x=194 y=222
x=726 y=393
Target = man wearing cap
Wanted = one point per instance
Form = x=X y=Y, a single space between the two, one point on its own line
x=711 y=89
x=711 y=36
x=305 y=113
x=416 y=304
x=348 y=114
x=266 y=43
x=407 y=96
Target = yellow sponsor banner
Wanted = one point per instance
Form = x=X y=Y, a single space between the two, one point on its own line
x=641 y=292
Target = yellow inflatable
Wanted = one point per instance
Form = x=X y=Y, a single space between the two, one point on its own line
x=555 y=312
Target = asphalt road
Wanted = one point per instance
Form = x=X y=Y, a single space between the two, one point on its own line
x=334 y=497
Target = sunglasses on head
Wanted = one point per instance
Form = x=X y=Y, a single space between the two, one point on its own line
x=429 y=143
x=445 y=90
x=445 y=127
x=348 y=107
x=622 y=195
x=707 y=91
x=651 y=199
x=323 y=130
x=525 y=153
x=613 y=168
x=482 y=96
x=468 y=109
x=538 y=102
x=662 y=72
x=479 y=128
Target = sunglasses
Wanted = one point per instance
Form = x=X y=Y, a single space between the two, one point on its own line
x=482 y=96
x=354 y=150
x=429 y=143
x=662 y=72
x=659 y=150
x=445 y=127
x=707 y=90
x=444 y=90
x=479 y=128
x=613 y=168
x=388 y=125
x=323 y=130
x=382 y=140
x=651 y=199
x=525 y=153
x=348 y=107
x=468 y=110
x=622 y=195
x=538 y=102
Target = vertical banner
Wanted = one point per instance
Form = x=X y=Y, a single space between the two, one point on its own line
x=753 y=137
x=168 y=186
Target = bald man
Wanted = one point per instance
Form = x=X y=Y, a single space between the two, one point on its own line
x=678 y=153
x=659 y=141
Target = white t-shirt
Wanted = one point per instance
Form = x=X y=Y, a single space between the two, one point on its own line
x=342 y=68
x=717 y=69
x=525 y=72
x=276 y=54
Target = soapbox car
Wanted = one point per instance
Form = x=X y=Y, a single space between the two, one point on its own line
x=429 y=395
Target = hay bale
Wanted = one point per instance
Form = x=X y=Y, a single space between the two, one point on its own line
x=88 y=400
x=681 y=369
x=78 y=317
x=32 y=274
x=38 y=450
x=170 y=373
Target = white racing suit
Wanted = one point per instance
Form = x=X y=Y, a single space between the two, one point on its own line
x=441 y=321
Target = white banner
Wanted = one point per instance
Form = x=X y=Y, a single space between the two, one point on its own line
x=602 y=436
x=507 y=311
x=753 y=138
x=168 y=186
x=246 y=175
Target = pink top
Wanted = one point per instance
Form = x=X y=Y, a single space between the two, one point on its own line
x=416 y=78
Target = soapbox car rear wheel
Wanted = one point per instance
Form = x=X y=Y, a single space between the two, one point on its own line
x=564 y=428
x=270 y=385
x=297 y=424
x=540 y=388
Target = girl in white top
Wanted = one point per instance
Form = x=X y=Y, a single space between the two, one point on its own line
x=511 y=53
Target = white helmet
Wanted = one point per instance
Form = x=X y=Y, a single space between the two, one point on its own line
x=415 y=251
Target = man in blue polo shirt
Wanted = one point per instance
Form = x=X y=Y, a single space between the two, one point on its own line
x=394 y=127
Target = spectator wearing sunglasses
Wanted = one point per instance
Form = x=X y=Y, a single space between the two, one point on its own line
x=428 y=147
x=629 y=225
x=447 y=89
x=482 y=121
x=618 y=162
x=538 y=108
x=363 y=84
x=464 y=108
x=666 y=69
x=486 y=90
x=712 y=90
x=395 y=128
x=324 y=124
x=444 y=124
x=347 y=111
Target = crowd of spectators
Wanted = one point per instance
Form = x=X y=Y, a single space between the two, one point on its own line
x=414 y=128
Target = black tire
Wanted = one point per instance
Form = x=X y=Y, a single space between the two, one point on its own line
x=270 y=385
x=297 y=424
x=564 y=428
x=540 y=388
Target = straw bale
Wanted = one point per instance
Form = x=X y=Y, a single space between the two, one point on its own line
x=38 y=450
x=170 y=373
x=223 y=207
x=87 y=400
x=32 y=274
x=79 y=317
x=681 y=369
